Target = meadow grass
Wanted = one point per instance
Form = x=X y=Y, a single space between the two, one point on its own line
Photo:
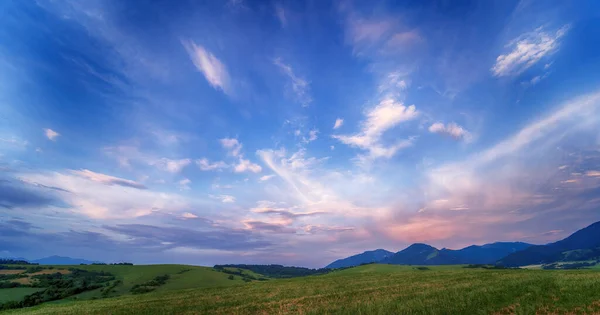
x=181 y=277
x=371 y=289
x=15 y=294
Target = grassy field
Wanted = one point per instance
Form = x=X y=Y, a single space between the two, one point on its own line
x=371 y=289
x=15 y=293
x=181 y=277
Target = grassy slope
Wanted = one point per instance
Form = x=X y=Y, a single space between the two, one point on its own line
x=372 y=289
x=181 y=277
x=15 y=294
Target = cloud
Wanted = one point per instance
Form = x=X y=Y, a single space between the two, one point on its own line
x=452 y=129
x=188 y=215
x=171 y=166
x=312 y=136
x=268 y=227
x=205 y=165
x=592 y=173
x=338 y=123
x=402 y=40
x=527 y=50
x=108 y=180
x=314 y=229
x=280 y=13
x=521 y=178
x=207 y=237
x=231 y=144
x=266 y=178
x=210 y=66
x=379 y=119
x=25 y=194
x=15 y=141
x=51 y=134
x=92 y=197
x=364 y=33
x=184 y=184
x=247 y=166
x=300 y=86
x=224 y=198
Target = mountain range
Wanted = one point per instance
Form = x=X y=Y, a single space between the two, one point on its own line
x=61 y=260
x=582 y=245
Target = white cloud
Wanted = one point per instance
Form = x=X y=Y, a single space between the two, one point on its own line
x=338 y=123
x=100 y=196
x=312 y=136
x=266 y=178
x=107 y=179
x=15 y=141
x=189 y=215
x=224 y=198
x=386 y=115
x=206 y=165
x=51 y=134
x=592 y=173
x=247 y=166
x=184 y=184
x=527 y=50
x=172 y=166
x=364 y=33
x=402 y=40
x=231 y=144
x=452 y=129
x=280 y=13
x=210 y=66
x=300 y=86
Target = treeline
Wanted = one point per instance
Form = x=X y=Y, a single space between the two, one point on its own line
x=59 y=286
x=15 y=262
x=233 y=271
x=113 y=264
x=277 y=271
x=482 y=266
x=150 y=285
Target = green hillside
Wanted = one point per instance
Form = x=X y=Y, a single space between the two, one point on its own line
x=181 y=277
x=370 y=289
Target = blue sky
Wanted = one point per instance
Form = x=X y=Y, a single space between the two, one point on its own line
x=294 y=132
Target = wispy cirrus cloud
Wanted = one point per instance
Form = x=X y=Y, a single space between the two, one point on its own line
x=300 y=86
x=266 y=178
x=384 y=116
x=210 y=66
x=108 y=180
x=527 y=50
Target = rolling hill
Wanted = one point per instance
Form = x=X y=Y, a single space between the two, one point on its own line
x=580 y=246
x=362 y=258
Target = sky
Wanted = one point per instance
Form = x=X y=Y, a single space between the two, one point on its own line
x=294 y=132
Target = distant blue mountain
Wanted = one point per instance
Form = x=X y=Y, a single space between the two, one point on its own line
x=488 y=253
x=580 y=246
x=363 y=258
x=423 y=254
x=59 y=260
